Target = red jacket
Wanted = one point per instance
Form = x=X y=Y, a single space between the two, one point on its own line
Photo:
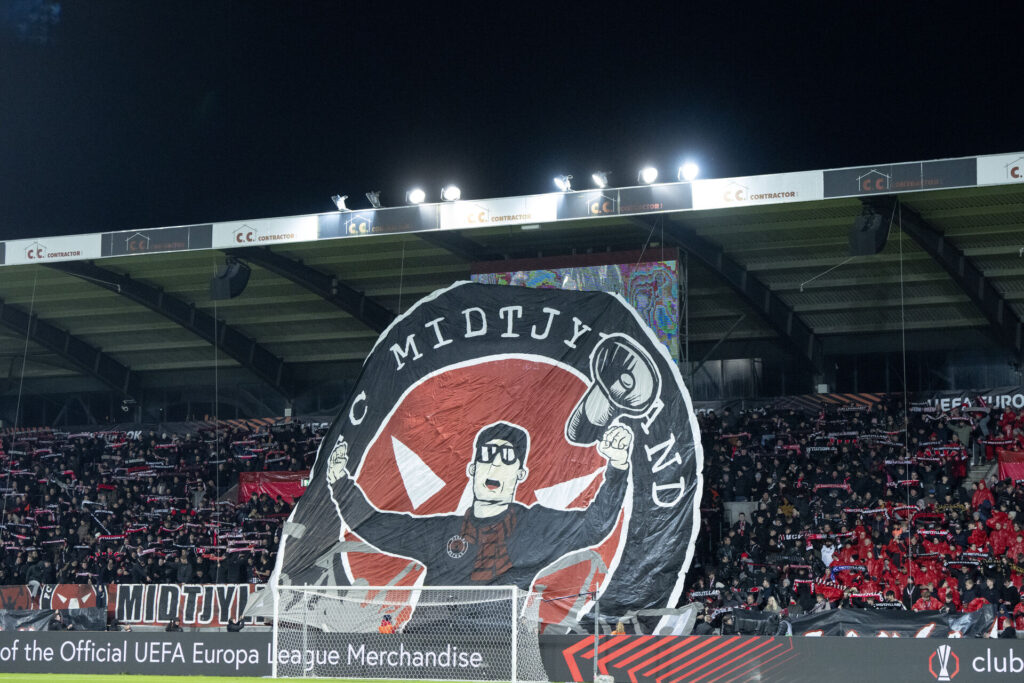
x=927 y=604
x=981 y=495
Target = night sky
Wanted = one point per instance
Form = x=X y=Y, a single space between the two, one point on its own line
x=118 y=115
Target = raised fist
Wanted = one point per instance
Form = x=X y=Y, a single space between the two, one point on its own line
x=336 y=462
x=616 y=445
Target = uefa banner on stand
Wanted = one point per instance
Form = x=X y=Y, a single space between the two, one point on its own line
x=508 y=436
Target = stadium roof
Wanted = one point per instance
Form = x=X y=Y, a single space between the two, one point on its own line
x=769 y=273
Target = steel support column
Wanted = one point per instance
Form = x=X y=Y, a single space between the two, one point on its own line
x=779 y=315
x=1005 y=323
x=356 y=304
x=84 y=356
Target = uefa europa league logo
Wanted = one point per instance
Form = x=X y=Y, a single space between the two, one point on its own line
x=942 y=654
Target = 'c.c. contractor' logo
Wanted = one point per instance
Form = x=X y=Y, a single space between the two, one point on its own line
x=502 y=435
x=35 y=251
x=939 y=664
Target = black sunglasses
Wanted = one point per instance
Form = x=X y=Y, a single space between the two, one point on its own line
x=488 y=452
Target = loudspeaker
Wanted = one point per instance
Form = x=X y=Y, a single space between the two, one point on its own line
x=868 y=234
x=625 y=383
x=230 y=280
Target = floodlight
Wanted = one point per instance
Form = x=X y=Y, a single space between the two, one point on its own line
x=648 y=175
x=339 y=201
x=600 y=179
x=451 y=193
x=563 y=182
x=415 y=196
x=374 y=198
x=688 y=171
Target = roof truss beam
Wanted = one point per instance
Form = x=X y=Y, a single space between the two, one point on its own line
x=82 y=355
x=1004 y=322
x=229 y=340
x=459 y=245
x=361 y=307
x=768 y=305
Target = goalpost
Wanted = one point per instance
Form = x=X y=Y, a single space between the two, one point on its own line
x=464 y=633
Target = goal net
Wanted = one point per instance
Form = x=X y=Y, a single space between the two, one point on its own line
x=436 y=633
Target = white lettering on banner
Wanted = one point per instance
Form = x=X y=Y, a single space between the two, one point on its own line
x=507 y=322
x=1007 y=663
x=994 y=401
x=475 y=324
x=1001 y=169
x=53 y=249
x=468 y=214
x=769 y=189
x=264 y=231
x=451 y=657
x=193 y=605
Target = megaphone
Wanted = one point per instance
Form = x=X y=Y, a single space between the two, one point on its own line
x=625 y=383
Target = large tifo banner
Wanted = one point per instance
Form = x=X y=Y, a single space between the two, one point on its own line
x=508 y=436
x=628 y=659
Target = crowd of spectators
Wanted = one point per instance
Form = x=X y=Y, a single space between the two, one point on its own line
x=858 y=506
x=847 y=507
x=123 y=507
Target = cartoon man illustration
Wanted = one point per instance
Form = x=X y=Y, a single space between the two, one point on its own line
x=497 y=540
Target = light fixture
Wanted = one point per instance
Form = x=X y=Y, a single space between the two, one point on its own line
x=415 y=196
x=600 y=179
x=688 y=171
x=648 y=175
x=451 y=193
x=374 y=198
x=563 y=182
x=339 y=201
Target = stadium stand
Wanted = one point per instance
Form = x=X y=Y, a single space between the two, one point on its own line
x=99 y=508
x=843 y=516
x=840 y=514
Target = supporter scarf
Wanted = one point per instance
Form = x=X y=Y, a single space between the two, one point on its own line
x=845 y=487
x=846 y=568
x=895 y=604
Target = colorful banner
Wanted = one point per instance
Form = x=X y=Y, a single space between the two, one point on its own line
x=507 y=435
x=286 y=485
x=651 y=287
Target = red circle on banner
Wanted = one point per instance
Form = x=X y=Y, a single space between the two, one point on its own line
x=438 y=421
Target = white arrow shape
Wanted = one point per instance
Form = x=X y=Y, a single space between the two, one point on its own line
x=559 y=496
x=419 y=480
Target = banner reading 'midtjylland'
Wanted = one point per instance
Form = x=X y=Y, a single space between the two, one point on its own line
x=508 y=436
